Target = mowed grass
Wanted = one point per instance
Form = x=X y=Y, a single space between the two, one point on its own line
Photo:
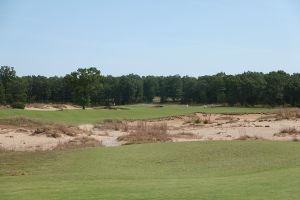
x=139 y=111
x=191 y=170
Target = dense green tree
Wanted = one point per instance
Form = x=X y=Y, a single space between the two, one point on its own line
x=38 y=89
x=174 y=87
x=276 y=83
x=7 y=75
x=87 y=86
x=292 y=90
x=16 y=91
x=189 y=89
x=150 y=88
x=201 y=91
x=83 y=81
x=233 y=89
x=216 y=88
x=130 y=89
x=2 y=96
x=252 y=87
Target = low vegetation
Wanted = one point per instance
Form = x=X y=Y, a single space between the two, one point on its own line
x=247 y=137
x=57 y=130
x=117 y=125
x=186 y=135
x=288 y=113
x=288 y=131
x=79 y=142
x=21 y=121
x=145 y=133
x=49 y=129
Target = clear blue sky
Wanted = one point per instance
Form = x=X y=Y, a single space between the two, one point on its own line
x=150 y=37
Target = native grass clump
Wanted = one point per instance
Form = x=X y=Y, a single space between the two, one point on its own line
x=50 y=129
x=146 y=133
x=289 y=131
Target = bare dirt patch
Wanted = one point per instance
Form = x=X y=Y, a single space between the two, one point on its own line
x=51 y=107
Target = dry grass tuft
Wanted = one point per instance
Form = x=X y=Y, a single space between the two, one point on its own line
x=288 y=131
x=79 y=142
x=114 y=125
x=38 y=127
x=288 y=113
x=225 y=118
x=57 y=130
x=144 y=133
x=186 y=135
x=205 y=119
x=20 y=121
x=247 y=137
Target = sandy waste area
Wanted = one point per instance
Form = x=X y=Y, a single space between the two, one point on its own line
x=195 y=127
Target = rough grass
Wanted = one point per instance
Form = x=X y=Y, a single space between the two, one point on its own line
x=195 y=170
x=288 y=113
x=288 y=131
x=117 y=125
x=247 y=137
x=38 y=127
x=21 y=121
x=139 y=111
x=79 y=142
x=186 y=135
x=145 y=133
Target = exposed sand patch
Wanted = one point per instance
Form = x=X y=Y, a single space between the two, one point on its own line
x=195 y=127
x=51 y=107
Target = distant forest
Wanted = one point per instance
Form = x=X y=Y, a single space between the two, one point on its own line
x=87 y=86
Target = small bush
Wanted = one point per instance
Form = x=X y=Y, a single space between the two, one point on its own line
x=197 y=121
x=18 y=105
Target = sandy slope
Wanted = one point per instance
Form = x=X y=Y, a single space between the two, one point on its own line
x=181 y=128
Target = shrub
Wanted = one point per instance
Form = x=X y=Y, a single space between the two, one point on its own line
x=18 y=105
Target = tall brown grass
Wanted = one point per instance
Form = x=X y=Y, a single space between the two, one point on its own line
x=114 y=125
x=37 y=127
x=288 y=131
x=20 y=121
x=247 y=137
x=79 y=142
x=145 y=133
x=57 y=130
x=288 y=113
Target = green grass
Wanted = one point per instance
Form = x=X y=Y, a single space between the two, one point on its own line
x=139 y=111
x=193 y=170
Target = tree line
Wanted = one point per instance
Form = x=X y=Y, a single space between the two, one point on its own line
x=87 y=86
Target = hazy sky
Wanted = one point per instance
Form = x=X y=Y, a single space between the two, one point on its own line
x=150 y=37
